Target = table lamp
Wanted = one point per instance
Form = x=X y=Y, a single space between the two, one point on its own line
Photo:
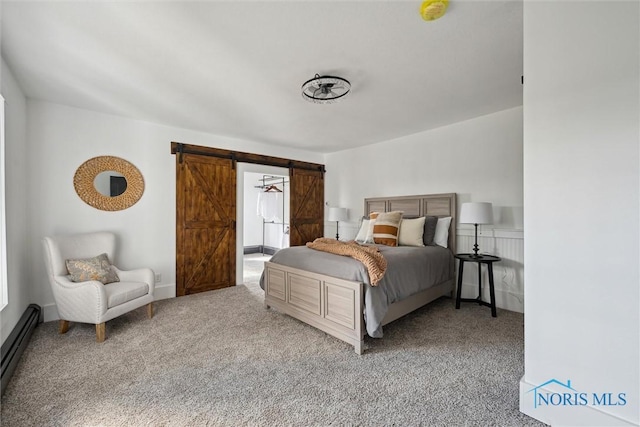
x=476 y=213
x=337 y=215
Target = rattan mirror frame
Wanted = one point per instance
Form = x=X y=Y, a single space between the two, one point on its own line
x=87 y=172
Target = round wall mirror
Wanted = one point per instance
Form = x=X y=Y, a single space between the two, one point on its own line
x=108 y=183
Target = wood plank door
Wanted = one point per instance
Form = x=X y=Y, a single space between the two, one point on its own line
x=205 y=224
x=307 y=206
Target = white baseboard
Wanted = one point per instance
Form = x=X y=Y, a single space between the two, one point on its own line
x=576 y=415
x=50 y=312
x=164 y=291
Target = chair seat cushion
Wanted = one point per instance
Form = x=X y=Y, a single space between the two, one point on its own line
x=121 y=292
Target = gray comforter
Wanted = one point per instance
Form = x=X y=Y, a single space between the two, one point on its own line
x=409 y=270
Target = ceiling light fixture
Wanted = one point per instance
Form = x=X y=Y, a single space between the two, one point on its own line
x=325 y=89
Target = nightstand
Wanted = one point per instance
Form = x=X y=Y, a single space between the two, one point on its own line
x=480 y=259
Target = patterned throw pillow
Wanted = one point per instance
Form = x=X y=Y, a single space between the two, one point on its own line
x=385 y=227
x=96 y=268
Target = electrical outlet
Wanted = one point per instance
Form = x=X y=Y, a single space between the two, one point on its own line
x=158 y=278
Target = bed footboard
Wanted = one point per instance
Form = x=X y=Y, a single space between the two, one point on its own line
x=332 y=305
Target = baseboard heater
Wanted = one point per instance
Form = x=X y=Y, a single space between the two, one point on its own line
x=17 y=341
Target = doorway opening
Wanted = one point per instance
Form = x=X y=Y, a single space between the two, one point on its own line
x=263 y=218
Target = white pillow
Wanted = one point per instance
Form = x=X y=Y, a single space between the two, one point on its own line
x=369 y=236
x=362 y=233
x=411 y=231
x=442 y=232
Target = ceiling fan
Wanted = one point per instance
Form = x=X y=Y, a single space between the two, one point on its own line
x=325 y=89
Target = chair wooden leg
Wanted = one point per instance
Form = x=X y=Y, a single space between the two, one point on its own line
x=63 y=326
x=101 y=332
x=150 y=310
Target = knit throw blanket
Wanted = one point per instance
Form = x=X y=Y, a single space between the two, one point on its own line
x=370 y=256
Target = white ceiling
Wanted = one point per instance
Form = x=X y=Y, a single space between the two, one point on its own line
x=235 y=68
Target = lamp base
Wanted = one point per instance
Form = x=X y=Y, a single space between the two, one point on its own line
x=475 y=245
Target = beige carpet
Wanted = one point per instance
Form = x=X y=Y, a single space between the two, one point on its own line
x=220 y=358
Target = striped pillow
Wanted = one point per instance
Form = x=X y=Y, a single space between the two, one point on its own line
x=386 y=227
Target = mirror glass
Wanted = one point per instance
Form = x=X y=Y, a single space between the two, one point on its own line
x=110 y=183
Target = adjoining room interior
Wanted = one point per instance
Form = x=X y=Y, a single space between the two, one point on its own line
x=266 y=220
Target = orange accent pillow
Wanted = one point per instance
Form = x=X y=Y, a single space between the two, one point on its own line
x=386 y=227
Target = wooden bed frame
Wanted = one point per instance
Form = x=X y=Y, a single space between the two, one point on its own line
x=336 y=306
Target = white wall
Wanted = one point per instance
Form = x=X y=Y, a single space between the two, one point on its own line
x=479 y=159
x=61 y=138
x=581 y=188
x=17 y=173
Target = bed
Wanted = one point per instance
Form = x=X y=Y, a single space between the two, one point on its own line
x=333 y=293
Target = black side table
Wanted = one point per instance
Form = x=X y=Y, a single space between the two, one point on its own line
x=481 y=259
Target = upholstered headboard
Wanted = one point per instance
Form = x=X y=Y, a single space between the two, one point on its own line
x=440 y=205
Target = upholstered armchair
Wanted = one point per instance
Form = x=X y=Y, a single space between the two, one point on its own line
x=92 y=301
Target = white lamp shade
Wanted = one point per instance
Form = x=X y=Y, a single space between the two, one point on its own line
x=476 y=213
x=338 y=214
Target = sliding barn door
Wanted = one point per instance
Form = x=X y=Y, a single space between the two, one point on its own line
x=205 y=224
x=307 y=206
